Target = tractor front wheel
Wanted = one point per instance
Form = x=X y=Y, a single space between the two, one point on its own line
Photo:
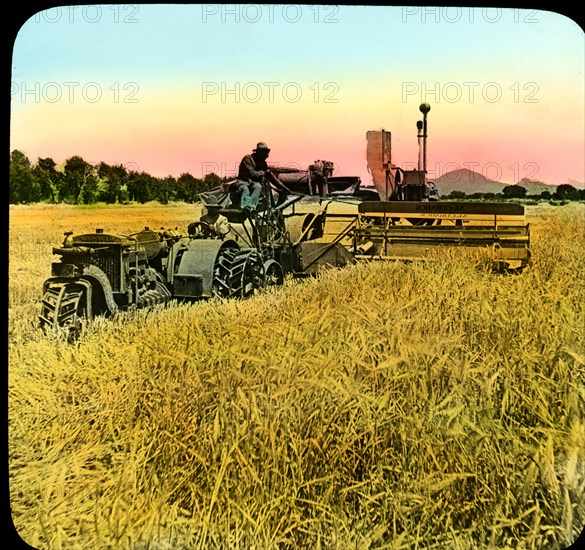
x=65 y=307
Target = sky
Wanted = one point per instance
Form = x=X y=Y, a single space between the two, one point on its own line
x=168 y=89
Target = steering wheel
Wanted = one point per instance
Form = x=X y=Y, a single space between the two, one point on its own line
x=201 y=229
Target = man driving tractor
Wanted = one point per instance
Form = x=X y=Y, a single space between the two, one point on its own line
x=211 y=224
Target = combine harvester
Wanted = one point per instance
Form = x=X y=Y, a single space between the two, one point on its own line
x=407 y=221
x=101 y=274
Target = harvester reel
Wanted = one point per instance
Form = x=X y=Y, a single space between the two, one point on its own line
x=238 y=274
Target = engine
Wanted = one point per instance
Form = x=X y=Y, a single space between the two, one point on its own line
x=100 y=273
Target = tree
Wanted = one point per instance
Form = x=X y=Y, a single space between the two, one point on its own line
x=141 y=187
x=188 y=187
x=163 y=189
x=112 y=185
x=514 y=192
x=457 y=195
x=20 y=184
x=48 y=178
x=211 y=181
x=566 y=192
x=80 y=184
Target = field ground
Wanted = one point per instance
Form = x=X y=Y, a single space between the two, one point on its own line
x=385 y=405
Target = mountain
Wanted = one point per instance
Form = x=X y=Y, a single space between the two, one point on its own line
x=467 y=181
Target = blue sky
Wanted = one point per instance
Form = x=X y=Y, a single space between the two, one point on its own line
x=365 y=57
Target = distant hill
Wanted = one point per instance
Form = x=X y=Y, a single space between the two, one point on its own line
x=469 y=182
x=535 y=187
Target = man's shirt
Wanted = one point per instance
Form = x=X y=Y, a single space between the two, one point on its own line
x=250 y=169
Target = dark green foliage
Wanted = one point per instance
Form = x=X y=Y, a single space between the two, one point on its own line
x=188 y=187
x=20 y=178
x=113 y=183
x=567 y=192
x=80 y=182
x=514 y=191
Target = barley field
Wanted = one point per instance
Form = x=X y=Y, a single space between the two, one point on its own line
x=385 y=405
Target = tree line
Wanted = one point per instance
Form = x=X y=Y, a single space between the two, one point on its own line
x=80 y=182
x=563 y=192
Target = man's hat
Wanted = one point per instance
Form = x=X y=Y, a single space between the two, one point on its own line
x=211 y=202
x=261 y=146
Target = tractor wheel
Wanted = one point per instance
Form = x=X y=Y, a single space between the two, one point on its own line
x=64 y=307
x=273 y=273
x=238 y=274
